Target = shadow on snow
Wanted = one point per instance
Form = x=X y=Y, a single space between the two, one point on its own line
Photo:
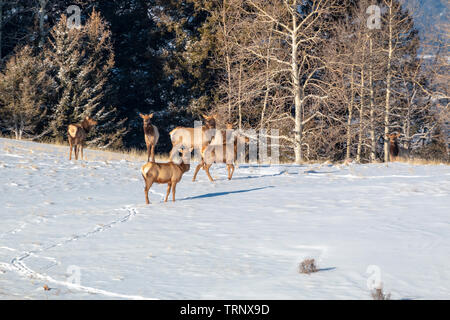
x=217 y=194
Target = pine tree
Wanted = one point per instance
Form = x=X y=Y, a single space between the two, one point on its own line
x=82 y=60
x=23 y=94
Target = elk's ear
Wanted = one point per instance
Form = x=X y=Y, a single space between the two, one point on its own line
x=141 y=115
x=205 y=116
x=87 y=118
x=151 y=115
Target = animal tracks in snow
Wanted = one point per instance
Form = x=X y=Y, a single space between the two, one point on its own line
x=18 y=265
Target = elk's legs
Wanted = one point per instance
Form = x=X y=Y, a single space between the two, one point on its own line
x=168 y=191
x=174 y=185
x=148 y=184
x=71 y=147
x=153 y=153
x=196 y=170
x=206 y=168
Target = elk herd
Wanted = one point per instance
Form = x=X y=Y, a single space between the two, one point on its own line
x=209 y=142
x=214 y=146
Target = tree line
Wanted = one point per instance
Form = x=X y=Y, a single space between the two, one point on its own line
x=323 y=73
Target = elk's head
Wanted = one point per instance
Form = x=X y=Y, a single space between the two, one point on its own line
x=147 y=118
x=210 y=121
x=393 y=137
x=88 y=123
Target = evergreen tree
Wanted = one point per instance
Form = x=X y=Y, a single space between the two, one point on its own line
x=23 y=94
x=82 y=60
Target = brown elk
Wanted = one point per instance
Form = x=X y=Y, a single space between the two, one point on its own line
x=77 y=134
x=395 y=151
x=183 y=137
x=162 y=173
x=209 y=153
x=151 y=135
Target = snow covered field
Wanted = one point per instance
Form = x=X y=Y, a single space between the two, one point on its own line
x=65 y=221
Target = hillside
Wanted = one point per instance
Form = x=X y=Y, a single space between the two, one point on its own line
x=239 y=239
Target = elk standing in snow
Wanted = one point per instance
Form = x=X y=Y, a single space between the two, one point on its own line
x=395 y=151
x=210 y=155
x=77 y=134
x=183 y=137
x=151 y=135
x=169 y=173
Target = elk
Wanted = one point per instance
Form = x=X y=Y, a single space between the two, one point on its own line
x=183 y=137
x=151 y=135
x=162 y=173
x=209 y=155
x=77 y=134
x=395 y=151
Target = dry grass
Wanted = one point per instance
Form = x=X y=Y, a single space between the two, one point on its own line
x=308 y=266
x=412 y=161
x=377 y=294
x=141 y=155
x=95 y=154
x=418 y=161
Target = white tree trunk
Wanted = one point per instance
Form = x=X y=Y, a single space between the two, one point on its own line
x=372 y=107
x=297 y=99
x=350 y=116
x=240 y=96
x=361 y=118
x=388 y=88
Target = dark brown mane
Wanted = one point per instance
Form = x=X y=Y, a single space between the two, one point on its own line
x=393 y=148
x=86 y=125
x=211 y=123
x=149 y=129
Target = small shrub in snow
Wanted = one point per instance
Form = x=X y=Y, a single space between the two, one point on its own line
x=308 y=266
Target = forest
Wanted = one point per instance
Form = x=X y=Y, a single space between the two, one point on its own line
x=333 y=77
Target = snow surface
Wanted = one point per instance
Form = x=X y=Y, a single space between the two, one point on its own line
x=239 y=239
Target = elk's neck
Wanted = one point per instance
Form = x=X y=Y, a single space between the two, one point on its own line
x=86 y=126
x=184 y=166
x=148 y=129
x=394 y=147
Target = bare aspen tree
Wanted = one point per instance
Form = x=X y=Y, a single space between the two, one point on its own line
x=373 y=155
x=399 y=44
x=437 y=89
x=226 y=46
x=299 y=28
x=361 y=108
x=390 y=50
x=332 y=89
x=350 y=113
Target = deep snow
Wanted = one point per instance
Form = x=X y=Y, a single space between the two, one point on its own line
x=238 y=239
